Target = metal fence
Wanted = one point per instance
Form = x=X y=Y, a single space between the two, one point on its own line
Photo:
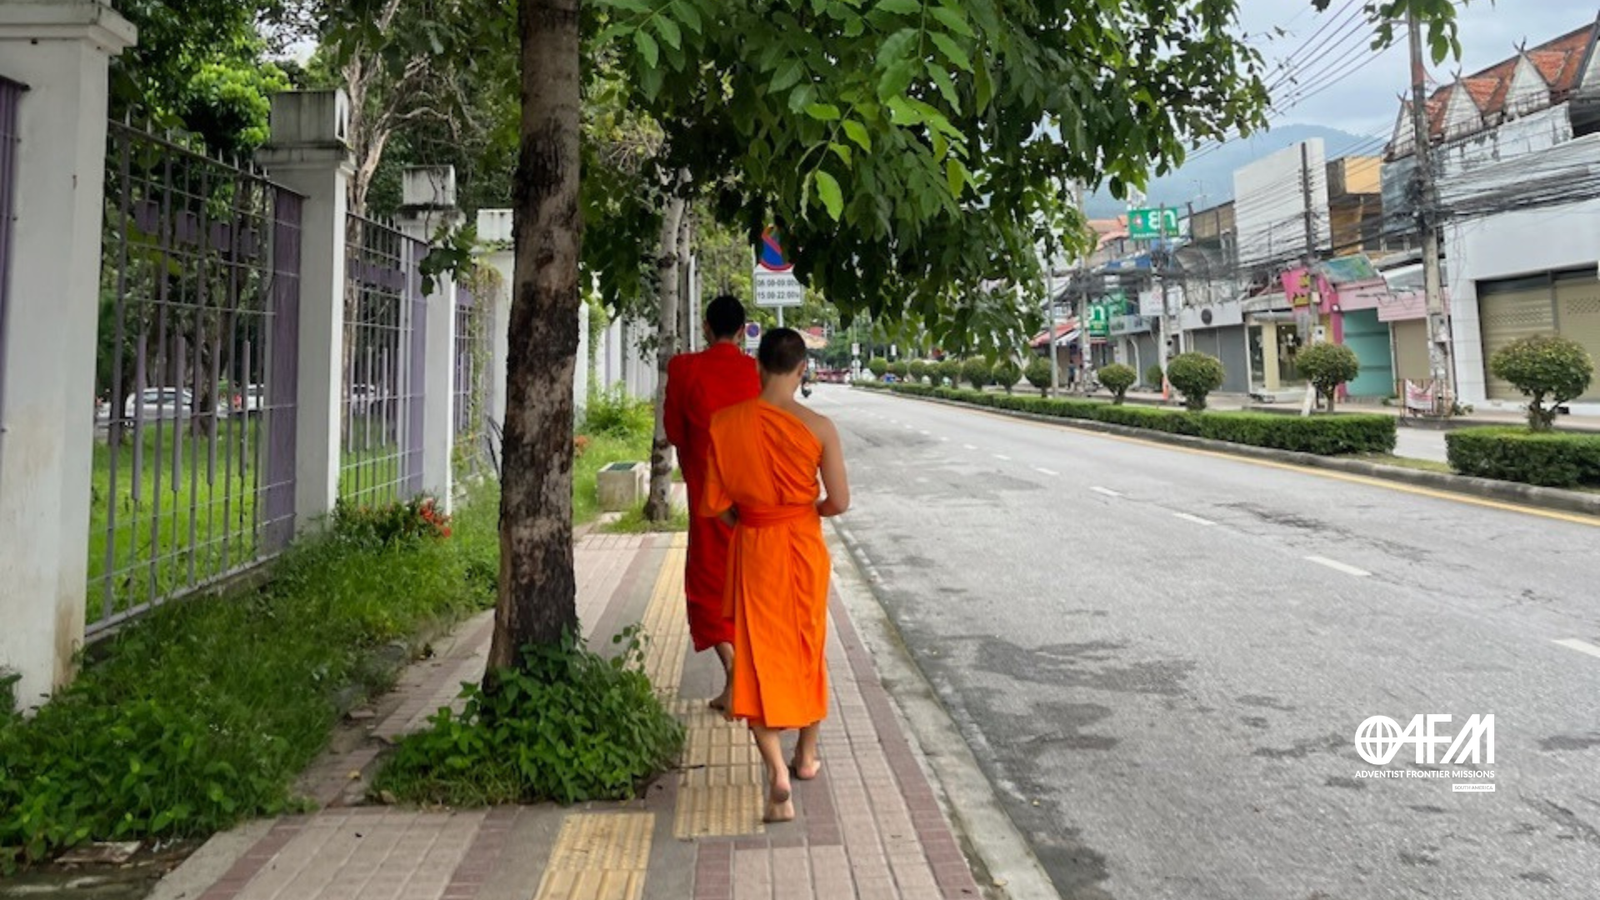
x=470 y=381
x=10 y=100
x=196 y=373
x=385 y=321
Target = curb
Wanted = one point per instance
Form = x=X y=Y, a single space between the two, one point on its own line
x=1487 y=488
x=1000 y=857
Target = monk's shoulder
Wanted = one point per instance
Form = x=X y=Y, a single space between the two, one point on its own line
x=820 y=425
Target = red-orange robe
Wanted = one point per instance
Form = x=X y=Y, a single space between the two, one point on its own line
x=764 y=464
x=698 y=385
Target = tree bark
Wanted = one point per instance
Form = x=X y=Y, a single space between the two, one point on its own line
x=658 y=508
x=537 y=602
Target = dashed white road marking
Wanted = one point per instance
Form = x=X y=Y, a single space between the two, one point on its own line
x=1339 y=566
x=969 y=446
x=1580 y=646
x=945 y=440
x=927 y=434
x=1106 y=491
x=1195 y=519
x=1002 y=456
x=1043 y=471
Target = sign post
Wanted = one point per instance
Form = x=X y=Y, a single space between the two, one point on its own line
x=775 y=284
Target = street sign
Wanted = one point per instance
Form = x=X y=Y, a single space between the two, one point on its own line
x=1099 y=320
x=775 y=284
x=855 y=349
x=1152 y=223
x=752 y=335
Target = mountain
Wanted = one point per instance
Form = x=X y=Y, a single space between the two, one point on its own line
x=1208 y=180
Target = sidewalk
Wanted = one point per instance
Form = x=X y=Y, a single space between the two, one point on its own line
x=870 y=826
x=1476 y=418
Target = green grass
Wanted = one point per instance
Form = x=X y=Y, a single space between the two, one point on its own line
x=1406 y=462
x=634 y=522
x=202 y=713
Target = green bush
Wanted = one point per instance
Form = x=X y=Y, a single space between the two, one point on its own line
x=1548 y=369
x=1153 y=376
x=615 y=413
x=878 y=366
x=918 y=369
x=202 y=713
x=1543 y=458
x=950 y=370
x=1117 y=378
x=977 y=373
x=1038 y=373
x=569 y=726
x=1006 y=373
x=1195 y=375
x=1327 y=366
x=899 y=369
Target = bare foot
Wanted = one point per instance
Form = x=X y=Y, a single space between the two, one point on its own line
x=780 y=805
x=719 y=702
x=805 y=771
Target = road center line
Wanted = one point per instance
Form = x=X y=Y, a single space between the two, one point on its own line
x=927 y=434
x=1338 y=566
x=1580 y=646
x=1106 y=491
x=1195 y=519
x=1002 y=456
x=969 y=446
x=1042 y=471
x=945 y=440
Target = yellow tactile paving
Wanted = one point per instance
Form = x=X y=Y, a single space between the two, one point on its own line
x=665 y=623
x=599 y=856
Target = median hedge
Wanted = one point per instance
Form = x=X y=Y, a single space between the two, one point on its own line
x=1322 y=435
x=1513 y=454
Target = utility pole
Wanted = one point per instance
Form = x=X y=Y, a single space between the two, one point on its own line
x=1441 y=368
x=1050 y=327
x=1313 y=301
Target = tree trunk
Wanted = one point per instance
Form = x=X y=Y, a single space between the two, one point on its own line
x=538 y=591
x=658 y=508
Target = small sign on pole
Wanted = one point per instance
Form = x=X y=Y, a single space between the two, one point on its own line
x=1152 y=223
x=775 y=284
x=752 y=335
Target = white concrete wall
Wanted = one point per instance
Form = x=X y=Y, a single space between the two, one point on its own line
x=1270 y=208
x=1505 y=246
x=60 y=51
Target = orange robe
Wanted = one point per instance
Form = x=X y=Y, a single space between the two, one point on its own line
x=764 y=464
x=698 y=385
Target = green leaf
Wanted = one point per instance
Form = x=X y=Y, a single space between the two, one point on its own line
x=824 y=112
x=895 y=81
x=788 y=76
x=842 y=151
x=647 y=47
x=897 y=47
x=669 y=31
x=690 y=16
x=940 y=76
x=902 y=112
x=857 y=132
x=953 y=20
x=899 y=7
x=951 y=50
x=955 y=175
x=830 y=194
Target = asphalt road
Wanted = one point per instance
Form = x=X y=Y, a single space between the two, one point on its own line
x=1161 y=658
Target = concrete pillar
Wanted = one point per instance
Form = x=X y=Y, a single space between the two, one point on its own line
x=495 y=238
x=309 y=152
x=428 y=204
x=580 y=377
x=60 y=50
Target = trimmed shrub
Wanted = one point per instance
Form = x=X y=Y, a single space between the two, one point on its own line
x=1006 y=373
x=950 y=371
x=878 y=366
x=1195 y=375
x=1117 y=378
x=1327 y=366
x=1038 y=373
x=977 y=373
x=1545 y=368
x=1543 y=458
x=1153 y=375
x=918 y=369
x=899 y=369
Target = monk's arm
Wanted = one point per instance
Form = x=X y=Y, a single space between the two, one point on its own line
x=834 y=479
x=673 y=418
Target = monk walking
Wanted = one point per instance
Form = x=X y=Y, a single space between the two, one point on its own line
x=765 y=458
x=698 y=385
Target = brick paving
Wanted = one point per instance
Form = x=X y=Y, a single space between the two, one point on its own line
x=869 y=826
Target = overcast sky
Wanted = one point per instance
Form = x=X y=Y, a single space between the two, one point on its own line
x=1365 y=100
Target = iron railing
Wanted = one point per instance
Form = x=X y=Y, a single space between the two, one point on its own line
x=385 y=316
x=196 y=373
x=471 y=383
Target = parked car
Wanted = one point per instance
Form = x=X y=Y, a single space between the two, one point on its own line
x=159 y=403
x=251 y=401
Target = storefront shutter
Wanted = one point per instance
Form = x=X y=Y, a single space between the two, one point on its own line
x=1578 y=317
x=1511 y=310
